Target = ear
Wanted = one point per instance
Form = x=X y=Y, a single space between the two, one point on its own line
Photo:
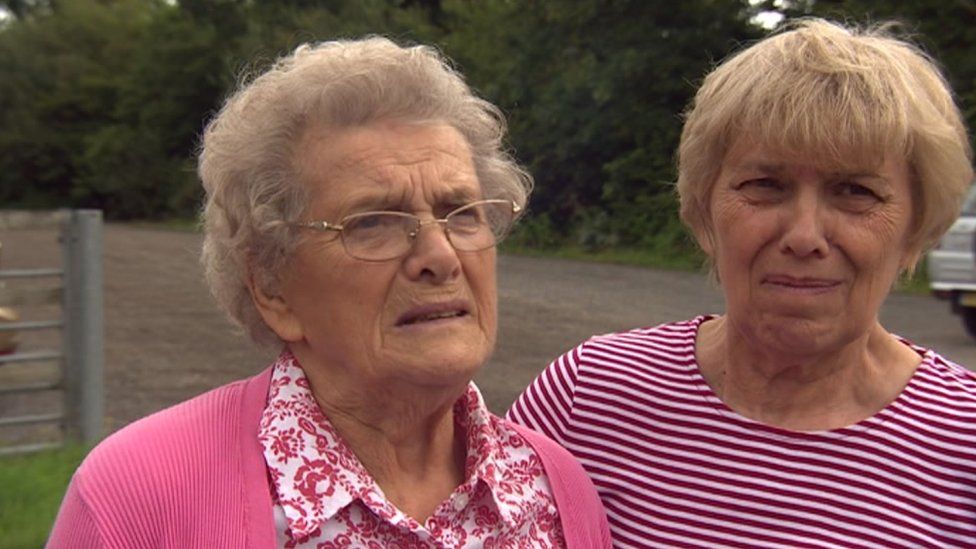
x=276 y=312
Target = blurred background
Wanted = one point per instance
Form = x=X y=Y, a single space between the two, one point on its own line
x=102 y=101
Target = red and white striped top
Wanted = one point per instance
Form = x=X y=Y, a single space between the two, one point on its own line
x=674 y=466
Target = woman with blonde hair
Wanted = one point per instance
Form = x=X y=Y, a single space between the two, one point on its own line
x=815 y=167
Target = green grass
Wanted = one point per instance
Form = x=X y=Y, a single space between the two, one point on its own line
x=31 y=488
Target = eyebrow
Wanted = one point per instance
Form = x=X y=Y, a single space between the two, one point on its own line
x=778 y=168
x=390 y=201
x=759 y=166
x=461 y=194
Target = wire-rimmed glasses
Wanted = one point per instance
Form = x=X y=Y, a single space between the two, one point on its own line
x=382 y=236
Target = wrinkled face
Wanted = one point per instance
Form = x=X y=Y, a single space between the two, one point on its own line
x=806 y=254
x=428 y=318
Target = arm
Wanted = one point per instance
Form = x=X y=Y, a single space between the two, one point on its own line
x=546 y=405
x=75 y=526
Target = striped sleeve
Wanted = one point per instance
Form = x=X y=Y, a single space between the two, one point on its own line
x=546 y=405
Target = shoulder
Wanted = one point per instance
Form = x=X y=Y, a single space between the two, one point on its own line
x=945 y=381
x=186 y=472
x=181 y=423
x=669 y=333
x=607 y=363
x=582 y=513
x=552 y=454
x=950 y=372
x=669 y=344
x=166 y=455
x=939 y=404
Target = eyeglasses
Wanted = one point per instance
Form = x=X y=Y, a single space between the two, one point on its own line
x=381 y=236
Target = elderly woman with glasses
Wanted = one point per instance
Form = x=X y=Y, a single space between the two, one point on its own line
x=355 y=195
x=814 y=167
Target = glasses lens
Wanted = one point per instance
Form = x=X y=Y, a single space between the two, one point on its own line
x=377 y=236
x=480 y=225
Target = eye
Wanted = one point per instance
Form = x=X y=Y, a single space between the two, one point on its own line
x=852 y=189
x=472 y=212
x=374 y=222
x=366 y=222
x=763 y=189
x=469 y=217
x=856 y=197
x=449 y=208
x=761 y=183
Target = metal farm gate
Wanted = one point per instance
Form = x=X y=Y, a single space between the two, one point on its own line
x=75 y=290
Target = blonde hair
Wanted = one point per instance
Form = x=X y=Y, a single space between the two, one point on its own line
x=844 y=96
x=247 y=151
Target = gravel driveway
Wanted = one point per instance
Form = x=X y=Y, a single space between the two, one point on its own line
x=165 y=340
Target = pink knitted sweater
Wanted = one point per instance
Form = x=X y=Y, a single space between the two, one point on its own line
x=194 y=476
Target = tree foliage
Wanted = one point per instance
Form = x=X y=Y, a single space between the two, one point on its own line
x=102 y=101
x=595 y=91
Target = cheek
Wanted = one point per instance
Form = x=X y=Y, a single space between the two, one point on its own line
x=344 y=292
x=480 y=274
x=878 y=262
x=881 y=243
x=314 y=296
x=731 y=220
x=738 y=240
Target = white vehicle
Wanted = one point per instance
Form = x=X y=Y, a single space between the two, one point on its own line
x=952 y=265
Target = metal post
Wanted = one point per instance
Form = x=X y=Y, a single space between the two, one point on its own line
x=84 y=354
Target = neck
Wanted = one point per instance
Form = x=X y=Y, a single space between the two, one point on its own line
x=406 y=454
x=829 y=390
x=404 y=436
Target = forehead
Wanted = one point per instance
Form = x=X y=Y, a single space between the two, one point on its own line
x=751 y=154
x=390 y=162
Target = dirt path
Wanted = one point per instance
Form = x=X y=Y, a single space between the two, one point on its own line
x=166 y=341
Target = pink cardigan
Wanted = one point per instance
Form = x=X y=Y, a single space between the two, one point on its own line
x=194 y=476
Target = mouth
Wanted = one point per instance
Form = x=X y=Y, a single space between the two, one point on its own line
x=434 y=312
x=811 y=284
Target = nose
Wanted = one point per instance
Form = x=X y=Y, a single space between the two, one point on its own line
x=805 y=227
x=432 y=257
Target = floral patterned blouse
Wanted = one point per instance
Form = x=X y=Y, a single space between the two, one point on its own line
x=325 y=498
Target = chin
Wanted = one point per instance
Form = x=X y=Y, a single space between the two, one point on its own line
x=803 y=337
x=444 y=364
x=464 y=361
